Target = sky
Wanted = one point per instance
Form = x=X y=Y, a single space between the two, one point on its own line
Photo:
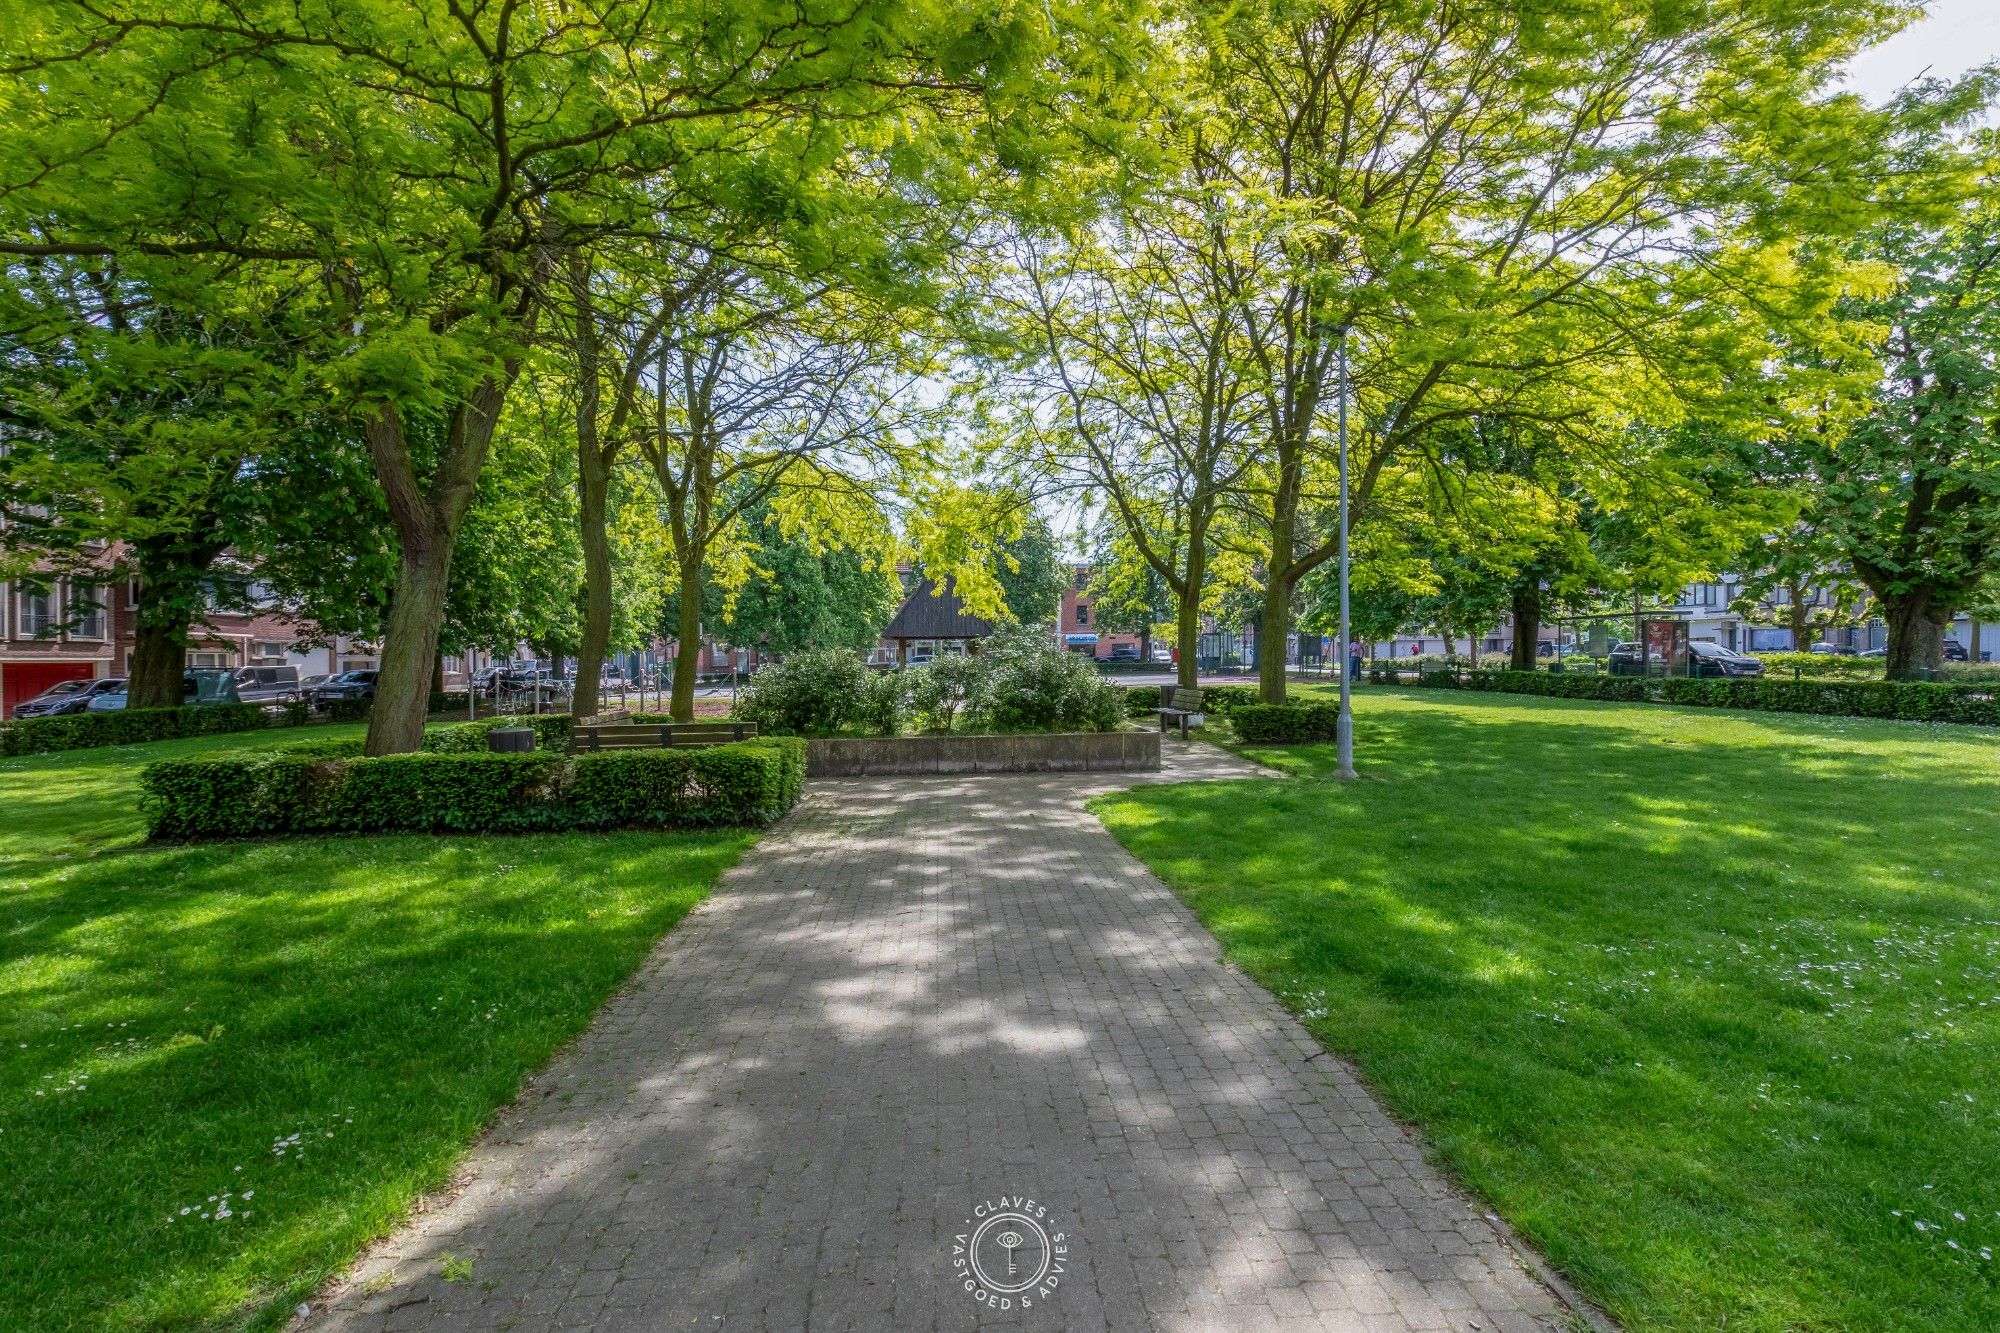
x=1952 y=37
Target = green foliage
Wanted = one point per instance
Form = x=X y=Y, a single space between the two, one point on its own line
x=1914 y=701
x=1285 y=724
x=806 y=694
x=940 y=688
x=1224 y=700
x=1028 y=682
x=882 y=704
x=1822 y=666
x=1032 y=574
x=286 y=792
x=126 y=726
x=804 y=593
x=551 y=730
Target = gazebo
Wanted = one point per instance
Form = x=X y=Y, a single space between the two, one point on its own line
x=931 y=614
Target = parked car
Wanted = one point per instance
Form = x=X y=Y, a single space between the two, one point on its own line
x=267 y=684
x=1825 y=649
x=348 y=685
x=69 y=696
x=1712 y=659
x=1704 y=659
x=1123 y=652
x=1162 y=655
x=307 y=684
x=1874 y=652
x=612 y=678
x=199 y=687
x=1954 y=651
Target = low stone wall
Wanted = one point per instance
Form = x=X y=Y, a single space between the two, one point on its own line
x=907 y=756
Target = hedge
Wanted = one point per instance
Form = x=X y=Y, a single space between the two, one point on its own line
x=1913 y=701
x=204 y=797
x=126 y=726
x=1284 y=724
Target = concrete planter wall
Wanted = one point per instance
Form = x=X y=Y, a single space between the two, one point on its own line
x=903 y=756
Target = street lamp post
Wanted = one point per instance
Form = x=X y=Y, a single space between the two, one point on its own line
x=1344 y=728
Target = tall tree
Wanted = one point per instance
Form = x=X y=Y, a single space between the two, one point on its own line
x=144 y=441
x=1133 y=374
x=1032 y=573
x=1911 y=491
x=1499 y=206
x=770 y=400
x=424 y=169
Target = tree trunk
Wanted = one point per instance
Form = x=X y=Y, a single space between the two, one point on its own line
x=1527 y=626
x=593 y=479
x=1796 y=618
x=1273 y=629
x=688 y=660
x=159 y=657
x=1972 y=639
x=409 y=647
x=1187 y=633
x=1916 y=633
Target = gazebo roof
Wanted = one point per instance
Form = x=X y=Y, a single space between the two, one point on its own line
x=928 y=613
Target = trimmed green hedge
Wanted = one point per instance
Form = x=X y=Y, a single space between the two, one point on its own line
x=551 y=733
x=1913 y=701
x=127 y=726
x=1284 y=724
x=286 y=791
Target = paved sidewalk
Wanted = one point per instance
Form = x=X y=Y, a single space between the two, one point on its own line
x=916 y=1002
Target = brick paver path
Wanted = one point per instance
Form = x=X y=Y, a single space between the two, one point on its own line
x=913 y=997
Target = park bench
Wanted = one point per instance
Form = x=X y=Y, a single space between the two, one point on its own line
x=1182 y=706
x=659 y=735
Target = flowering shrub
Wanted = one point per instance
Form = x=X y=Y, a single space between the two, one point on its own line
x=940 y=687
x=1028 y=682
x=806 y=694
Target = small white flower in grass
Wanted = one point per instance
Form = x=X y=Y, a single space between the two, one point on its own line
x=1952 y=1243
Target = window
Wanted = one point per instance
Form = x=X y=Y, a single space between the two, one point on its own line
x=1082 y=613
x=357 y=664
x=1082 y=580
x=86 y=608
x=207 y=659
x=34 y=614
x=267 y=652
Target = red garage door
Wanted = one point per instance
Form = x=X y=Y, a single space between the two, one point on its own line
x=21 y=681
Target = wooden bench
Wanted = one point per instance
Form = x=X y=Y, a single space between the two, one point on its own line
x=659 y=735
x=1184 y=707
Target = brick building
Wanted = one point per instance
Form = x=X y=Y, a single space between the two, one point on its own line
x=1077 y=630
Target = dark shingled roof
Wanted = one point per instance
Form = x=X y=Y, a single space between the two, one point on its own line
x=928 y=614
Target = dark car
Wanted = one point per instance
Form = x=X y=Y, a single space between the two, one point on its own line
x=1124 y=652
x=69 y=696
x=1954 y=651
x=348 y=685
x=1712 y=659
x=1704 y=659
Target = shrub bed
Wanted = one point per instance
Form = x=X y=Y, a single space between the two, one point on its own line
x=1284 y=724
x=1913 y=701
x=285 y=791
x=127 y=726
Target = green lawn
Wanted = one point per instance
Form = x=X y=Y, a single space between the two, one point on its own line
x=224 y=1068
x=1707 y=1003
